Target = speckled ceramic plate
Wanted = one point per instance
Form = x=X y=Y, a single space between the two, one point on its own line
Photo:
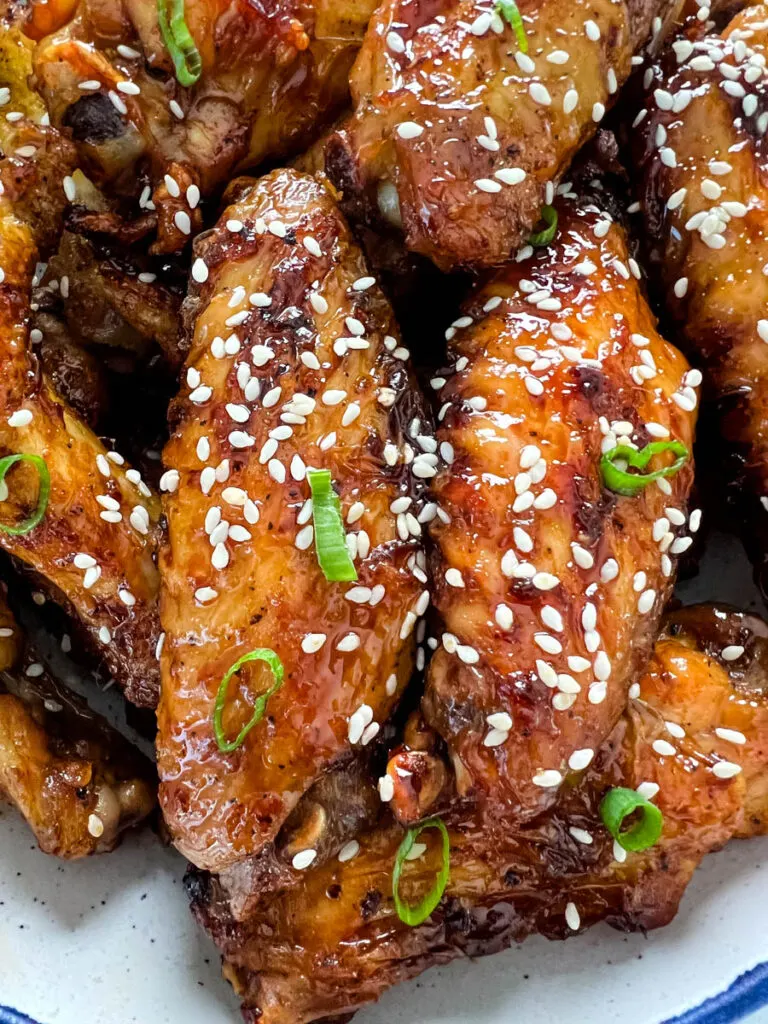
x=110 y=940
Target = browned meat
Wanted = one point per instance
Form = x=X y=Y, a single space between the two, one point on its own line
x=78 y=783
x=273 y=76
x=549 y=584
x=94 y=546
x=294 y=364
x=461 y=128
x=703 y=166
x=694 y=739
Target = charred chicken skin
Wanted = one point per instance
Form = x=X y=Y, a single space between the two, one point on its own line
x=702 y=157
x=693 y=739
x=77 y=782
x=294 y=367
x=463 y=123
x=94 y=546
x=271 y=77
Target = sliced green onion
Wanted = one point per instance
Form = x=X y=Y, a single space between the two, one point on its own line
x=416 y=914
x=509 y=11
x=260 y=704
x=179 y=42
x=549 y=216
x=617 y=478
x=330 y=539
x=617 y=804
x=42 y=495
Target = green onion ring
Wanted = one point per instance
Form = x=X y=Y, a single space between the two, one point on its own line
x=549 y=216
x=43 y=493
x=260 y=654
x=614 y=808
x=415 y=915
x=630 y=484
x=330 y=539
x=179 y=42
x=509 y=11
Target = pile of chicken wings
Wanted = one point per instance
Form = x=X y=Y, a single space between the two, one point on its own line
x=400 y=600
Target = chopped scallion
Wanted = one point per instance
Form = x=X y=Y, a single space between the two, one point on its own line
x=414 y=914
x=615 y=464
x=618 y=804
x=509 y=11
x=42 y=494
x=179 y=42
x=276 y=666
x=330 y=539
x=544 y=237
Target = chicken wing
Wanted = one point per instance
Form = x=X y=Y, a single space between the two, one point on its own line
x=94 y=545
x=294 y=364
x=273 y=76
x=548 y=582
x=701 y=153
x=464 y=121
x=694 y=740
x=77 y=782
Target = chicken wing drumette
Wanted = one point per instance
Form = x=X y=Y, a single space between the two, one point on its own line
x=693 y=740
x=701 y=150
x=94 y=545
x=77 y=782
x=549 y=583
x=270 y=77
x=463 y=122
x=294 y=366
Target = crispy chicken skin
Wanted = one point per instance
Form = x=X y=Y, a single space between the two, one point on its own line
x=94 y=548
x=549 y=585
x=273 y=76
x=334 y=941
x=457 y=133
x=702 y=168
x=294 y=362
x=77 y=782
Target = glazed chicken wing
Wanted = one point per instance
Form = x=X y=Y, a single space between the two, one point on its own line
x=93 y=547
x=693 y=740
x=463 y=123
x=549 y=583
x=294 y=366
x=701 y=151
x=272 y=76
x=77 y=782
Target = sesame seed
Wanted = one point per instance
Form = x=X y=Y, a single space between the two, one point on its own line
x=95 y=826
x=312 y=642
x=539 y=94
x=580 y=759
x=726 y=769
x=731 y=736
x=570 y=101
x=581 y=835
x=303 y=859
x=572 y=918
x=675 y=730
x=663 y=748
x=409 y=130
x=592 y=30
x=386 y=788
x=648 y=790
x=732 y=652
x=547 y=779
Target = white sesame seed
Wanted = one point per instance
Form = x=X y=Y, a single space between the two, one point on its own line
x=386 y=788
x=487 y=185
x=726 y=769
x=204 y=595
x=547 y=779
x=581 y=835
x=539 y=94
x=504 y=616
x=731 y=736
x=732 y=652
x=303 y=859
x=409 y=130
x=580 y=759
x=663 y=748
x=572 y=917
x=592 y=30
x=95 y=826
x=675 y=730
x=570 y=101
x=312 y=642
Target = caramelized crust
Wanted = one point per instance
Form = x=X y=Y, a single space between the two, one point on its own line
x=705 y=200
x=457 y=133
x=77 y=782
x=550 y=585
x=273 y=76
x=294 y=363
x=94 y=547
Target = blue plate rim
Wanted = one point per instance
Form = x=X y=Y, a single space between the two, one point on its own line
x=745 y=995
